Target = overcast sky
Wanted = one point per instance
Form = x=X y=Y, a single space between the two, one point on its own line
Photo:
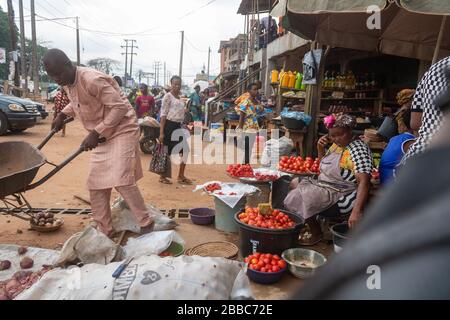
x=155 y=24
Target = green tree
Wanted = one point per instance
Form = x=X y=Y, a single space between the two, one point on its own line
x=5 y=42
x=105 y=65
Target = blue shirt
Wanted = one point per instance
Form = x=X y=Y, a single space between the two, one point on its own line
x=392 y=156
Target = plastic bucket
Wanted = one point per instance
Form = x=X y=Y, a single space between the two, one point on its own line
x=262 y=196
x=225 y=215
x=388 y=129
x=340 y=236
x=253 y=240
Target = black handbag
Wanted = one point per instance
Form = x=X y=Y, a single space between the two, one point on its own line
x=160 y=160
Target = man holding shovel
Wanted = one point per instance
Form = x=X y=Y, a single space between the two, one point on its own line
x=96 y=99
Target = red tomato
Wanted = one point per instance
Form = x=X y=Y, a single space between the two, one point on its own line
x=282 y=264
x=263 y=270
x=277 y=258
x=276 y=269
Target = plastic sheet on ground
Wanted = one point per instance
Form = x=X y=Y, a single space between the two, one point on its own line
x=153 y=243
x=40 y=257
x=241 y=190
x=90 y=246
x=146 y=278
x=123 y=219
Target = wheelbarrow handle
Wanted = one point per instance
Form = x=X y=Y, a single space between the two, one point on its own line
x=59 y=168
x=52 y=133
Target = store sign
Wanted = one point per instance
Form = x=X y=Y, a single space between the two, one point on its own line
x=2 y=56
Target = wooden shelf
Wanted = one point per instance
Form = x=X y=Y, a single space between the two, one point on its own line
x=350 y=99
x=292 y=89
x=294 y=98
x=344 y=90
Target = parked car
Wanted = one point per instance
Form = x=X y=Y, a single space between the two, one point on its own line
x=17 y=115
x=41 y=109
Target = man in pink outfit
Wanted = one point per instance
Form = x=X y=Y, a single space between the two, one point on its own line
x=96 y=99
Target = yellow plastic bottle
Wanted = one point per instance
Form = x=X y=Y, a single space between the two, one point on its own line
x=285 y=80
x=292 y=79
x=280 y=76
x=275 y=76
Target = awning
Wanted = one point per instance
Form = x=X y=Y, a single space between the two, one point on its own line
x=409 y=28
x=247 y=6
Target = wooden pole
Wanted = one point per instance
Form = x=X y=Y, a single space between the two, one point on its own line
x=23 y=55
x=35 y=56
x=439 y=40
x=181 y=55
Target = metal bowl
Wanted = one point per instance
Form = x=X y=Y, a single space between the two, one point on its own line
x=294 y=258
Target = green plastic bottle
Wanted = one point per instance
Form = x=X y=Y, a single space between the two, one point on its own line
x=299 y=81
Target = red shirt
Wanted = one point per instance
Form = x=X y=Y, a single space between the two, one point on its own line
x=145 y=105
x=61 y=101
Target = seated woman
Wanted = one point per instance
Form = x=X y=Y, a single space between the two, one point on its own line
x=344 y=179
x=399 y=145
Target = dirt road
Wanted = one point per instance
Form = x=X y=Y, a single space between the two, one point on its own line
x=59 y=192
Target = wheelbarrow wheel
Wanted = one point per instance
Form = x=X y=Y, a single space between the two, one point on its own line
x=148 y=145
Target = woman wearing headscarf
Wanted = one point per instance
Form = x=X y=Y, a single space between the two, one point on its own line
x=343 y=183
x=399 y=145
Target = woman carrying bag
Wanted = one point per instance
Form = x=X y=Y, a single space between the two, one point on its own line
x=173 y=115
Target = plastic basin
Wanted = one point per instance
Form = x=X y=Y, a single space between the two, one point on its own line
x=202 y=216
x=265 y=278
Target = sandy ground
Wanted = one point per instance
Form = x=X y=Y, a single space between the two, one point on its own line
x=59 y=192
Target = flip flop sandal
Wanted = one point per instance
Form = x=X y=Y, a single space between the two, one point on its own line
x=165 y=181
x=185 y=182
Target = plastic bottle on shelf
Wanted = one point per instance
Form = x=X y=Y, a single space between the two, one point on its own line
x=275 y=76
x=299 y=81
x=285 y=79
x=280 y=76
x=326 y=81
x=292 y=80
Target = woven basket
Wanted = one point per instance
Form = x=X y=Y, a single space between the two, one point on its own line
x=372 y=136
x=225 y=250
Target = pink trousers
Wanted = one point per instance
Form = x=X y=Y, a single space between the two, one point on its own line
x=101 y=208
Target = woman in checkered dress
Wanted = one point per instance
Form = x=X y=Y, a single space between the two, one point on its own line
x=61 y=101
x=344 y=181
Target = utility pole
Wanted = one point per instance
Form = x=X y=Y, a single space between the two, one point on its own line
x=23 y=55
x=78 y=42
x=126 y=61
x=13 y=39
x=132 y=54
x=157 y=72
x=181 y=55
x=209 y=62
x=35 y=57
x=165 y=74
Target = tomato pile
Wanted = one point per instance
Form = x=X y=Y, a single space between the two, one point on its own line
x=299 y=165
x=240 y=171
x=276 y=220
x=213 y=187
x=266 y=177
x=266 y=263
x=230 y=194
x=375 y=175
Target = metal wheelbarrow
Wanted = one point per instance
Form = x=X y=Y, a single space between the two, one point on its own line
x=19 y=164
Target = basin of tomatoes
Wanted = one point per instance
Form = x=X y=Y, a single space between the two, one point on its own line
x=240 y=171
x=298 y=165
x=265 y=268
x=211 y=188
x=276 y=220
